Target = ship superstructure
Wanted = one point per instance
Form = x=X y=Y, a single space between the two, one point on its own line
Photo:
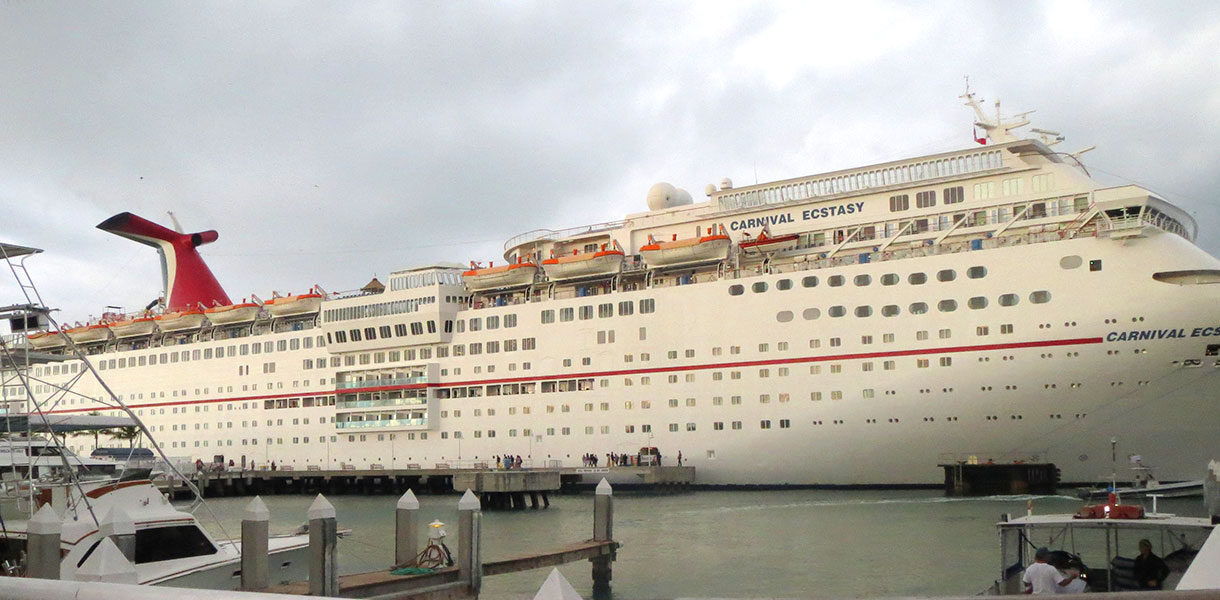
x=852 y=327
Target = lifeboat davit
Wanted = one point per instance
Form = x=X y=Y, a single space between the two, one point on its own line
x=292 y=306
x=230 y=314
x=690 y=251
x=180 y=320
x=478 y=278
x=603 y=263
x=85 y=334
x=135 y=326
x=41 y=340
x=765 y=243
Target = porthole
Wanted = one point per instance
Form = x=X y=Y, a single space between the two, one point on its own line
x=810 y=314
x=1070 y=262
x=890 y=279
x=864 y=311
x=758 y=287
x=918 y=308
x=890 y=310
x=917 y=278
x=835 y=280
x=836 y=311
x=1040 y=297
x=809 y=281
x=977 y=302
x=736 y=290
x=946 y=275
x=946 y=305
x=783 y=284
x=863 y=280
x=976 y=272
x=783 y=316
x=1009 y=299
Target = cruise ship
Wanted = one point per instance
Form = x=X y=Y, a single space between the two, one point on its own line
x=855 y=327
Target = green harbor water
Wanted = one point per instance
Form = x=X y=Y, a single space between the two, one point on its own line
x=716 y=544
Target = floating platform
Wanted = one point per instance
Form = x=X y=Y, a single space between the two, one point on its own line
x=990 y=479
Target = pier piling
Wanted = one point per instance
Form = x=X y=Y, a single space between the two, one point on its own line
x=254 y=537
x=323 y=560
x=603 y=530
x=470 y=565
x=42 y=546
x=406 y=514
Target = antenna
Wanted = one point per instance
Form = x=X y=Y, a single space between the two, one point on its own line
x=177 y=226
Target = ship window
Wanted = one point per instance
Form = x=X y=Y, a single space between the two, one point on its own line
x=493 y=322
x=977 y=302
x=890 y=279
x=400 y=330
x=647 y=305
x=548 y=316
x=810 y=314
x=835 y=280
x=953 y=195
x=946 y=275
x=917 y=278
x=167 y=543
x=510 y=320
x=899 y=202
x=417 y=328
x=784 y=316
x=809 y=281
x=476 y=324
x=1070 y=262
x=625 y=308
x=758 y=287
x=1095 y=265
x=864 y=311
x=735 y=290
x=976 y=272
x=1009 y=299
x=586 y=312
x=890 y=310
x=370 y=333
x=1040 y=297
x=918 y=308
x=836 y=311
x=355 y=333
x=605 y=310
x=946 y=305
x=925 y=199
x=567 y=314
x=863 y=280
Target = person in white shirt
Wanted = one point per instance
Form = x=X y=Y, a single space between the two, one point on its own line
x=1042 y=578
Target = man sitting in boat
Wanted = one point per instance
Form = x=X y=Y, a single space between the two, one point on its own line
x=1150 y=571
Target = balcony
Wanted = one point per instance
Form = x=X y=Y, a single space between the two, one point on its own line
x=381 y=423
x=365 y=383
x=382 y=402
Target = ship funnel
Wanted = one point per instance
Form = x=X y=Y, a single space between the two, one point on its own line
x=187 y=280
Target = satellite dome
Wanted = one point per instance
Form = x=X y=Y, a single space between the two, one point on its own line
x=709 y=189
x=664 y=195
x=726 y=184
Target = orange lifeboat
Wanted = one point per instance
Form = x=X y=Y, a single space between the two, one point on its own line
x=293 y=306
x=135 y=326
x=180 y=320
x=602 y=263
x=765 y=243
x=479 y=278
x=230 y=314
x=41 y=340
x=690 y=251
x=86 y=334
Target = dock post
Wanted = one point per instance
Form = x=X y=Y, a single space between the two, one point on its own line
x=107 y=565
x=254 y=535
x=603 y=530
x=470 y=565
x=43 y=531
x=118 y=526
x=406 y=546
x=323 y=535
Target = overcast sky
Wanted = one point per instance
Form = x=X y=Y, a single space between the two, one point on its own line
x=331 y=142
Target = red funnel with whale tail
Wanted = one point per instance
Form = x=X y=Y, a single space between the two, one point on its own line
x=188 y=281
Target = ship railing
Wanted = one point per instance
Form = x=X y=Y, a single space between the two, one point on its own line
x=348 y=385
x=555 y=234
x=983 y=458
x=382 y=402
x=380 y=423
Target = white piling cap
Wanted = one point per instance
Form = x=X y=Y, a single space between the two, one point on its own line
x=469 y=501
x=556 y=587
x=256 y=510
x=603 y=488
x=107 y=564
x=321 y=509
x=116 y=521
x=408 y=501
x=44 y=521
